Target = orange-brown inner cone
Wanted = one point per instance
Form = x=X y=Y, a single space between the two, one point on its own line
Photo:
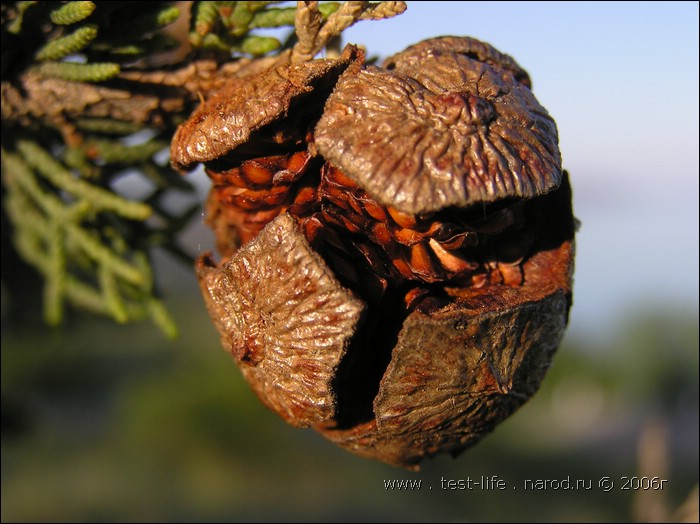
x=369 y=246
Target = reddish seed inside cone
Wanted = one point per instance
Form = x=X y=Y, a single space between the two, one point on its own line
x=362 y=239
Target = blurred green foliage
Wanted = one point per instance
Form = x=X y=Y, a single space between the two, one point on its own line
x=62 y=211
x=108 y=424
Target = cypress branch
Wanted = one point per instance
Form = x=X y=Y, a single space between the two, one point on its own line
x=67 y=45
x=72 y=12
x=98 y=72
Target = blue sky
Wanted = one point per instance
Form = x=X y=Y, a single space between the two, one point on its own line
x=621 y=81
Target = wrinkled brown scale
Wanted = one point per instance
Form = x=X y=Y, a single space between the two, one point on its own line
x=227 y=119
x=458 y=372
x=397 y=243
x=453 y=131
x=450 y=49
x=284 y=318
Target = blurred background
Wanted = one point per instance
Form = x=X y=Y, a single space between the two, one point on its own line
x=114 y=423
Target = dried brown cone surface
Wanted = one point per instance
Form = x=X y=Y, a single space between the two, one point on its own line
x=397 y=242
